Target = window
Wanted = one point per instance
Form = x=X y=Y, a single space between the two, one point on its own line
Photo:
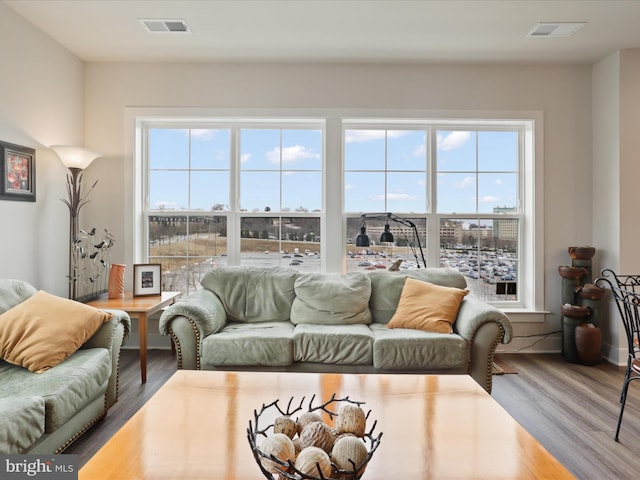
x=233 y=193
x=263 y=191
x=462 y=196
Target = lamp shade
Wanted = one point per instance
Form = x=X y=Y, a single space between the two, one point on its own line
x=75 y=157
x=363 y=239
x=387 y=236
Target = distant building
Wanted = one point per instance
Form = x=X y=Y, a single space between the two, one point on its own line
x=505 y=229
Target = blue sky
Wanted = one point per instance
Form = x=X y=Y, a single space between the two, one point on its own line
x=477 y=171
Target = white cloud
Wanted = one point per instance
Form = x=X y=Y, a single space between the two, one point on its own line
x=245 y=157
x=349 y=187
x=488 y=199
x=359 y=136
x=420 y=150
x=290 y=154
x=396 y=196
x=202 y=134
x=499 y=181
x=453 y=140
x=465 y=182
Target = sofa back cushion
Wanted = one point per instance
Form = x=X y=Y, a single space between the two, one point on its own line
x=386 y=288
x=13 y=292
x=251 y=294
x=332 y=299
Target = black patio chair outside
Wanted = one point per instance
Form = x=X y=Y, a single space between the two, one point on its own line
x=626 y=292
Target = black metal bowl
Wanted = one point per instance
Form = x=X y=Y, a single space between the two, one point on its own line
x=288 y=470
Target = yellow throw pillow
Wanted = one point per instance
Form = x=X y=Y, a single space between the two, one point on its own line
x=426 y=306
x=42 y=331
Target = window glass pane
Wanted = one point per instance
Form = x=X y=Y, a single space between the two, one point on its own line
x=406 y=192
x=485 y=252
x=209 y=190
x=167 y=235
x=364 y=149
x=207 y=237
x=364 y=191
x=302 y=150
x=168 y=190
x=260 y=191
x=456 y=192
x=301 y=191
x=210 y=149
x=168 y=148
x=456 y=151
x=186 y=247
x=260 y=149
x=406 y=150
x=275 y=241
x=497 y=190
x=498 y=151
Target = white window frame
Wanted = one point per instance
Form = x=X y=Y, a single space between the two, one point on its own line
x=531 y=308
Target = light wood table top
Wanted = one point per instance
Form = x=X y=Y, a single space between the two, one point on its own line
x=434 y=427
x=138 y=307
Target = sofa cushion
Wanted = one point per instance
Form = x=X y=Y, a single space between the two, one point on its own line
x=428 y=307
x=13 y=292
x=251 y=294
x=239 y=343
x=21 y=423
x=405 y=349
x=42 y=331
x=386 y=288
x=332 y=299
x=65 y=388
x=338 y=344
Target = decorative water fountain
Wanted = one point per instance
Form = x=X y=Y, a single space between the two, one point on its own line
x=581 y=334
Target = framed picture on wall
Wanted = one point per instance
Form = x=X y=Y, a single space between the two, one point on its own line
x=147 y=279
x=18 y=166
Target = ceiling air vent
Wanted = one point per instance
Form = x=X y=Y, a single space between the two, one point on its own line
x=158 y=25
x=556 y=29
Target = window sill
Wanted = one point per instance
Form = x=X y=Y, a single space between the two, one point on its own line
x=521 y=315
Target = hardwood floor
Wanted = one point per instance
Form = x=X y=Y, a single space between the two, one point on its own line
x=570 y=409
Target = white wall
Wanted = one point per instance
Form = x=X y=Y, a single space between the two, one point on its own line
x=629 y=159
x=606 y=182
x=41 y=99
x=616 y=143
x=562 y=93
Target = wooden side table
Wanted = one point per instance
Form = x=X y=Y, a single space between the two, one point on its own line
x=140 y=308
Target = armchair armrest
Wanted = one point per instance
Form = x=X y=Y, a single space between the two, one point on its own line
x=112 y=335
x=484 y=327
x=190 y=320
x=474 y=313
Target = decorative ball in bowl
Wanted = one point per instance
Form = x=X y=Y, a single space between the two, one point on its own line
x=332 y=440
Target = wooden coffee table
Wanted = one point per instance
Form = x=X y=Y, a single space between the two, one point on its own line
x=434 y=427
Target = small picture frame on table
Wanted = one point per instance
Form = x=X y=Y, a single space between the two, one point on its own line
x=18 y=168
x=147 y=279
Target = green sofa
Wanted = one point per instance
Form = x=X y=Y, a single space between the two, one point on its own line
x=44 y=413
x=280 y=319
